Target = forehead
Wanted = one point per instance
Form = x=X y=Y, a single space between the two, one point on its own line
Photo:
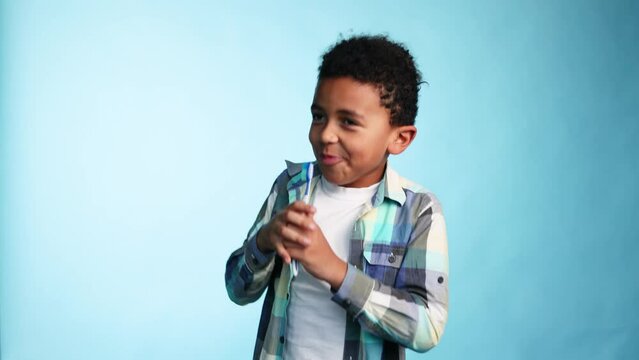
x=347 y=93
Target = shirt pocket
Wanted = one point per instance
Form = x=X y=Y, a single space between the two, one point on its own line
x=383 y=261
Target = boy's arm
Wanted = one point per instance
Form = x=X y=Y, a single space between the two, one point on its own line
x=248 y=269
x=414 y=313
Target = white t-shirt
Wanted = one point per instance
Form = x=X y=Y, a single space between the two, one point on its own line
x=316 y=324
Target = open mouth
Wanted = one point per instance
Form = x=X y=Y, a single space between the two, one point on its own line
x=329 y=159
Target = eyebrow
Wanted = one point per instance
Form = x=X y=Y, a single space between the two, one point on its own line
x=346 y=112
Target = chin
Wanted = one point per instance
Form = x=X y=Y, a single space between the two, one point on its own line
x=331 y=178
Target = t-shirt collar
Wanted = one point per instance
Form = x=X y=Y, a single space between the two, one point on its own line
x=390 y=186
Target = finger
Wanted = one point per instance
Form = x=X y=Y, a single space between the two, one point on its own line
x=281 y=251
x=302 y=207
x=293 y=233
x=294 y=251
x=292 y=246
x=290 y=232
x=300 y=220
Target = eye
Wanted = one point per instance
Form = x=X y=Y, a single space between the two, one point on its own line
x=349 y=122
x=318 y=117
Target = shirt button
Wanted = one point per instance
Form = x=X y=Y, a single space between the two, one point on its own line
x=282 y=339
x=391 y=258
x=440 y=279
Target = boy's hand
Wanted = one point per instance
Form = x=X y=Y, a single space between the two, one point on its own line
x=317 y=257
x=289 y=225
x=293 y=234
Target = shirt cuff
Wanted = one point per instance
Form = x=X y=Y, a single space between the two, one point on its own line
x=355 y=290
x=255 y=259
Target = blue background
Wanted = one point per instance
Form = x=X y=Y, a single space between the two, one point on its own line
x=138 y=141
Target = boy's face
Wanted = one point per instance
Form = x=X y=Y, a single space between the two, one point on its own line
x=350 y=132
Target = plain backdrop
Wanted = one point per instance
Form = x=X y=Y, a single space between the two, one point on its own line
x=139 y=139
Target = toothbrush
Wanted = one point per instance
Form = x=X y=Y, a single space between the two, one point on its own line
x=307 y=200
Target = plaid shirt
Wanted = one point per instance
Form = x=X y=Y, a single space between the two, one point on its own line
x=395 y=292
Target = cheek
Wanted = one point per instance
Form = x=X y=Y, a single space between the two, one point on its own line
x=312 y=136
x=314 y=140
x=370 y=150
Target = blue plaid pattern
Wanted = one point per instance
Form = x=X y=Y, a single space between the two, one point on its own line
x=396 y=288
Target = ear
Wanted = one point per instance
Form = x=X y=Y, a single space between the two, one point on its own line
x=401 y=138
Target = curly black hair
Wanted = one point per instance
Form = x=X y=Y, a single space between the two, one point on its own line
x=379 y=61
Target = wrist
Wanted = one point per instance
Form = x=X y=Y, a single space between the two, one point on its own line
x=338 y=275
x=260 y=241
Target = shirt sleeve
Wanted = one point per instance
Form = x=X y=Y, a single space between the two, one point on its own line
x=248 y=269
x=414 y=311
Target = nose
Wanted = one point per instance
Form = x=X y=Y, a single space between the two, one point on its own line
x=328 y=135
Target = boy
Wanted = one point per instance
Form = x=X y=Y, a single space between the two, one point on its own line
x=372 y=248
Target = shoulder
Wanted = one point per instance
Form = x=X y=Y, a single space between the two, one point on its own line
x=292 y=176
x=281 y=180
x=292 y=170
x=419 y=198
